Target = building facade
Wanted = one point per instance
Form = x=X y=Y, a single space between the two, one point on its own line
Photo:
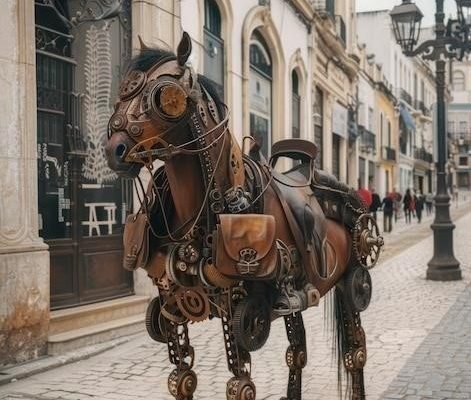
x=412 y=83
x=459 y=125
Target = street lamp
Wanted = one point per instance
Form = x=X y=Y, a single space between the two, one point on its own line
x=451 y=43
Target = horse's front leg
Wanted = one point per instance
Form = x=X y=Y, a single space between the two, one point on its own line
x=240 y=387
x=182 y=380
x=296 y=355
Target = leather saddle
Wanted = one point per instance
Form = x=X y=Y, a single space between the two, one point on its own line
x=295 y=188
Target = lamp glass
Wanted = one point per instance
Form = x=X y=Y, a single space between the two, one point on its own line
x=406 y=20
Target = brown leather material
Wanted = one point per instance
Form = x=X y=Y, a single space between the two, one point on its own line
x=245 y=246
x=136 y=241
x=298 y=149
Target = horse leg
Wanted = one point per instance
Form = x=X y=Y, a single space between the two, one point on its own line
x=296 y=355
x=239 y=387
x=352 y=345
x=182 y=380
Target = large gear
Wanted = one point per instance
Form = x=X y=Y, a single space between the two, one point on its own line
x=193 y=303
x=156 y=323
x=367 y=241
x=358 y=289
x=251 y=323
x=240 y=389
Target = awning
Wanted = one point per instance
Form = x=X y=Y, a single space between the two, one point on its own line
x=407 y=118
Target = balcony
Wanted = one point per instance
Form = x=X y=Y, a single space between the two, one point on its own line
x=424 y=155
x=388 y=153
x=327 y=6
x=367 y=140
x=406 y=97
x=420 y=105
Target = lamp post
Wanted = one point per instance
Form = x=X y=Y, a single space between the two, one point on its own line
x=453 y=42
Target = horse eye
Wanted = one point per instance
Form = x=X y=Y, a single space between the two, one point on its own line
x=172 y=101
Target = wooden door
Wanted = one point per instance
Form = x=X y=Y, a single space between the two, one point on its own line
x=82 y=203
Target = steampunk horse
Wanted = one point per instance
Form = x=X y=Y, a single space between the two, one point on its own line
x=222 y=234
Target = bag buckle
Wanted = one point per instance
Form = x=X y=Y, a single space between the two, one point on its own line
x=247 y=264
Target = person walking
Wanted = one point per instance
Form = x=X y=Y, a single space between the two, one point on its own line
x=388 y=210
x=429 y=203
x=375 y=203
x=365 y=195
x=396 y=198
x=407 y=201
x=419 y=205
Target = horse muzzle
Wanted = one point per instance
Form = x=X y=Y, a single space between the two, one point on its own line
x=117 y=148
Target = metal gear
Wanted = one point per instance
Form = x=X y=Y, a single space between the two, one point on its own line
x=367 y=241
x=156 y=323
x=193 y=303
x=241 y=388
x=358 y=289
x=211 y=275
x=182 y=383
x=251 y=323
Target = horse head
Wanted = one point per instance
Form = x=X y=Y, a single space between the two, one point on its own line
x=157 y=99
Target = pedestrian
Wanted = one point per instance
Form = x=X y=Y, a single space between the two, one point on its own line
x=419 y=205
x=407 y=201
x=375 y=203
x=388 y=210
x=455 y=195
x=365 y=195
x=429 y=203
x=396 y=197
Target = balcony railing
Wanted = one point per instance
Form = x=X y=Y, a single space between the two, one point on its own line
x=327 y=6
x=424 y=155
x=406 y=97
x=341 y=29
x=367 y=140
x=388 y=153
x=420 y=105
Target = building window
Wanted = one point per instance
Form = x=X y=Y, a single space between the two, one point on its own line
x=459 y=81
x=463 y=129
x=336 y=155
x=389 y=134
x=463 y=161
x=370 y=119
x=295 y=106
x=214 y=46
x=260 y=92
x=318 y=124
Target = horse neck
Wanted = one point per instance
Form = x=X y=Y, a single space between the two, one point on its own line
x=185 y=177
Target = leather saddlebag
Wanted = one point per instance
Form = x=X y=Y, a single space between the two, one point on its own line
x=245 y=246
x=136 y=241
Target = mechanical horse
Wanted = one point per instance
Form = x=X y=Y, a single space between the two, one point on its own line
x=223 y=235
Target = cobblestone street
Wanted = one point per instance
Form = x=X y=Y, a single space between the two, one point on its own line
x=417 y=335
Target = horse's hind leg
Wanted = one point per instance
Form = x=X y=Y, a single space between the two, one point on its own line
x=182 y=380
x=352 y=345
x=296 y=355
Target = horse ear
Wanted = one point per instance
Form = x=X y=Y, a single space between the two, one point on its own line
x=184 y=49
x=142 y=44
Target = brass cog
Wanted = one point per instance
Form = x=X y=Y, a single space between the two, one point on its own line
x=193 y=303
x=367 y=241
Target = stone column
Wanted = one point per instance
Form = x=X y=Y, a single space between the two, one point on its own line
x=327 y=134
x=24 y=259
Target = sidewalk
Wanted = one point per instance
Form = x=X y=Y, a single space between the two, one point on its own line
x=417 y=339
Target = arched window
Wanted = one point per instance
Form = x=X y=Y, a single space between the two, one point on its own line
x=295 y=106
x=213 y=45
x=260 y=92
x=459 y=81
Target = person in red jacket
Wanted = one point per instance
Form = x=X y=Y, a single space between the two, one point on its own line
x=365 y=195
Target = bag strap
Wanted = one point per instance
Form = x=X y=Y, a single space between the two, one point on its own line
x=297 y=235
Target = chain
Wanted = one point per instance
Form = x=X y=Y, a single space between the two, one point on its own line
x=179 y=348
x=296 y=356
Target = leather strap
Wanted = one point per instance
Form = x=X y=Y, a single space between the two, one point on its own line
x=298 y=237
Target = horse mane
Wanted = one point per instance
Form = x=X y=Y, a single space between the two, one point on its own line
x=148 y=57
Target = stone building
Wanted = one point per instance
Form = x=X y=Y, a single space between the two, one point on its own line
x=413 y=85
x=459 y=125
x=61 y=209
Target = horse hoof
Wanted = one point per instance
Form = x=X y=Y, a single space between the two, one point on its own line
x=182 y=382
x=240 y=389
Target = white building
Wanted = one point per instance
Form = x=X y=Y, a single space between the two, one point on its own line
x=412 y=82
